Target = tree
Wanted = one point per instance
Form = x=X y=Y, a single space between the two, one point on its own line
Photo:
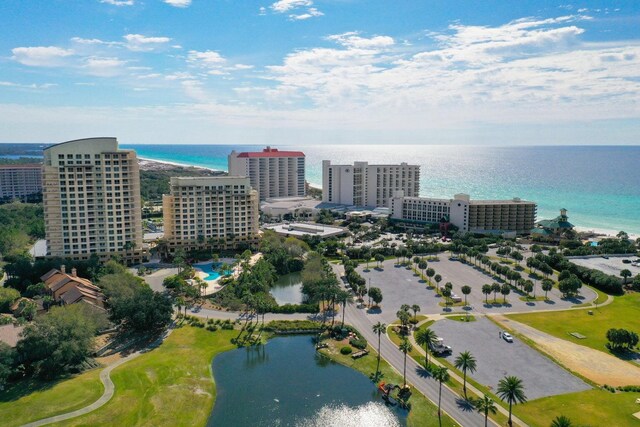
x=505 y=290
x=426 y=337
x=404 y=317
x=379 y=258
x=561 y=421
x=466 y=290
x=484 y=405
x=569 y=286
x=495 y=288
x=440 y=374
x=511 y=390
x=7 y=357
x=465 y=362
x=446 y=293
x=376 y=295
x=343 y=298
x=422 y=265
x=146 y=310
x=528 y=287
x=486 y=290
x=415 y=308
x=625 y=275
x=405 y=347
x=379 y=328
x=59 y=341
x=7 y=297
x=438 y=279
x=547 y=285
x=621 y=339
x=430 y=273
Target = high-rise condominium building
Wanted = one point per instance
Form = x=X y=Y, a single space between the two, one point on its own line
x=362 y=184
x=20 y=181
x=91 y=195
x=273 y=173
x=476 y=216
x=210 y=212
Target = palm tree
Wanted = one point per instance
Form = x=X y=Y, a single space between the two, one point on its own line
x=625 y=275
x=484 y=406
x=379 y=328
x=404 y=316
x=495 y=288
x=438 y=279
x=486 y=290
x=343 y=298
x=430 y=273
x=405 y=347
x=511 y=390
x=505 y=290
x=561 y=421
x=547 y=285
x=422 y=265
x=466 y=290
x=426 y=337
x=440 y=374
x=415 y=308
x=465 y=362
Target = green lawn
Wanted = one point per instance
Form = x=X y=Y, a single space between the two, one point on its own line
x=33 y=400
x=591 y=407
x=623 y=312
x=171 y=385
x=423 y=413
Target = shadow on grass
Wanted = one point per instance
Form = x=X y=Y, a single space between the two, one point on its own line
x=25 y=387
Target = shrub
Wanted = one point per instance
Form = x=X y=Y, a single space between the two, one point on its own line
x=358 y=343
x=346 y=350
x=212 y=328
x=227 y=326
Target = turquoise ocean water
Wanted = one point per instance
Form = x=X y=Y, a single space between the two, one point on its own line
x=600 y=186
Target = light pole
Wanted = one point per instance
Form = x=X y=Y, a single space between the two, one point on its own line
x=369 y=292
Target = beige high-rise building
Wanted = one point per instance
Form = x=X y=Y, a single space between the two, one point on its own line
x=20 y=181
x=273 y=173
x=476 y=216
x=210 y=212
x=362 y=184
x=91 y=195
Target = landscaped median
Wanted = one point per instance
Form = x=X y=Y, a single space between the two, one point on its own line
x=423 y=413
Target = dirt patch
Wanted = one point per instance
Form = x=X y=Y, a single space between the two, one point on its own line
x=595 y=365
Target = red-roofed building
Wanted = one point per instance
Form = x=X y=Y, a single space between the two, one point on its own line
x=273 y=173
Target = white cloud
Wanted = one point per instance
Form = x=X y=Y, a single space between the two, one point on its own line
x=178 y=3
x=41 y=56
x=181 y=75
x=119 y=2
x=243 y=67
x=208 y=58
x=140 y=43
x=353 y=40
x=282 y=6
x=104 y=67
x=311 y=12
x=27 y=86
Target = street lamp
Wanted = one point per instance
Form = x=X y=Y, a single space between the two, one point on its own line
x=369 y=292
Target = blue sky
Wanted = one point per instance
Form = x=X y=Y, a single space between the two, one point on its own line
x=312 y=71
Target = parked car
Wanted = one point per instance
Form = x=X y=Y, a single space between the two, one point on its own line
x=507 y=337
x=456 y=298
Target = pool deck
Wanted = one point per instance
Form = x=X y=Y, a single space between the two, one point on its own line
x=212 y=285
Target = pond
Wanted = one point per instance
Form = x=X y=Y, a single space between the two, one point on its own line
x=286 y=383
x=288 y=289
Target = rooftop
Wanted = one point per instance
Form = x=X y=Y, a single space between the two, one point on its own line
x=299 y=229
x=269 y=152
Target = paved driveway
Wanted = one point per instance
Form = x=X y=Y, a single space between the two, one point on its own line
x=400 y=285
x=497 y=358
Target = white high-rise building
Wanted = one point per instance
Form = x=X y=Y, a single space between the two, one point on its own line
x=476 y=216
x=362 y=184
x=272 y=173
x=91 y=196
x=210 y=212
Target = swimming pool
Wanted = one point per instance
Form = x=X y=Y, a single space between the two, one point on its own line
x=210 y=269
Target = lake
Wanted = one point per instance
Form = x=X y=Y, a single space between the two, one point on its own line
x=287 y=383
x=288 y=289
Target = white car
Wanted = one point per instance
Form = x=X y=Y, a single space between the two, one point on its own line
x=507 y=337
x=456 y=298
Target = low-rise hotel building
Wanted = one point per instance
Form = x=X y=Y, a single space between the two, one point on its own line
x=91 y=197
x=272 y=173
x=362 y=184
x=20 y=181
x=210 y=212
x=476 y=216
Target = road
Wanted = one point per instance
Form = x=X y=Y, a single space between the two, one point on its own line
x=452 y=404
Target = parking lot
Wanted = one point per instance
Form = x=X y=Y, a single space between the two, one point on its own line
x=400 y=285
x=611 y=265
x=497 y=358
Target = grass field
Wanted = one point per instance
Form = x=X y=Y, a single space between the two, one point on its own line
x=623 y=312
x=423 y=413
x=171 y=385
x=33 y=400
x=591 y=407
